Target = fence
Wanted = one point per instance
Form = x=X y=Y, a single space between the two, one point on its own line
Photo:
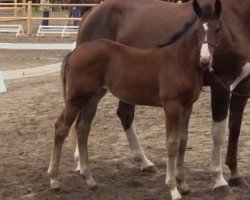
x=35 y=71
x=16 y=8
x=30 y=18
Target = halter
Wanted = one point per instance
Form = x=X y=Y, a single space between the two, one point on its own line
x=212 y=45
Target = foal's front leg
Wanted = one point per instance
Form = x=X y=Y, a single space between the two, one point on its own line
x=173 y=114
x=126 y=114
x=180 y=165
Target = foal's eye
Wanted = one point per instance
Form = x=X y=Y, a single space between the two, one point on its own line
x=218 y=31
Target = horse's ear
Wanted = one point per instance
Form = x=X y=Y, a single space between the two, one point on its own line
x=196 y=7
x=217 y=8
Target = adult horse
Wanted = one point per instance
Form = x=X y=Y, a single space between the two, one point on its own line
x=174 y=83
x=144 y=24
x=85 y=9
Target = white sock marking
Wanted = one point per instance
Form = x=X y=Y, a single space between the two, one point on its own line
x=218 y=133
x=136 y=149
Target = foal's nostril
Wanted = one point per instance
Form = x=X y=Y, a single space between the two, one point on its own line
x=204 y=61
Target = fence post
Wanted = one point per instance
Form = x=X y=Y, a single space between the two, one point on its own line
x=15 y=8
x=29 y=20
x=24 y=8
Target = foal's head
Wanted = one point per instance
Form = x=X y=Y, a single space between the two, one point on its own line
x=208 y=30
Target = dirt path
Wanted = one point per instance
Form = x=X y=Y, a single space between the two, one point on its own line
x=28 y=113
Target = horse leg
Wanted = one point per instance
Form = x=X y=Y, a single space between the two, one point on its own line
x=220 y=102
x=237 y=106
x=83 y=126
x=89 y=110
x=62 y=128
x=180 y=165
x=126 y=114
x=173 y=114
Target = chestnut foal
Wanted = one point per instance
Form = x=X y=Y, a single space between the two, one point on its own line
x=174 y=83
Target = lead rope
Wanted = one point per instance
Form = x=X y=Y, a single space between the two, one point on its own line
x=211 y=71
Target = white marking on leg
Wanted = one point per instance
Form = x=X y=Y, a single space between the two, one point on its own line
x=218 y=133
x=170 y=178
x=83 y=134
x=175 y=194
x=76 y=156
x=245 y=72
x=136 y=149
x=179 y=2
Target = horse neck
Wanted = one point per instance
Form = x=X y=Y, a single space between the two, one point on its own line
x=186 y=45
x=236 y=15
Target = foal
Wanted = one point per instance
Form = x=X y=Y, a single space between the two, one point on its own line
x=174 y=83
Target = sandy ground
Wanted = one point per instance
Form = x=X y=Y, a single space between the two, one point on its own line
x=28 y=113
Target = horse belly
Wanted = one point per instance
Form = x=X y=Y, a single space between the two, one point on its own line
x=135 y=93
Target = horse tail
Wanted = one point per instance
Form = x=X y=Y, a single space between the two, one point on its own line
x=178 y=34
x=73 y=140
x=63 y=73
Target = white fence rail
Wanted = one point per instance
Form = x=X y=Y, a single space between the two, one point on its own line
x=64 y=31
x=30 y=72
x=10 y=28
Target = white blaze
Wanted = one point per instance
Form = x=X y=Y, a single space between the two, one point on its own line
x=204 y=47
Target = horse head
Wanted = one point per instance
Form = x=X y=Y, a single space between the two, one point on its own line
x=209 y=29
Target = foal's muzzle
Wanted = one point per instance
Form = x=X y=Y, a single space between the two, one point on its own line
x=205 y=62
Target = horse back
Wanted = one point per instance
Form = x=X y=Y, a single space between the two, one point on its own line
x=141 y=23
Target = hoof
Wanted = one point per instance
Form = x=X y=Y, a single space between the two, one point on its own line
x=238 y=182
x=149 y=169
x=77 y=169
x=175 y=194
x=93 y=188
x=223 y=190
x=184 y=191
x=183 y=187
x=91 y=183
x=54 y=184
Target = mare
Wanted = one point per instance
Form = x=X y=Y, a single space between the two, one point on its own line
x=85 y=9
x=174 y=83
x=144 y=24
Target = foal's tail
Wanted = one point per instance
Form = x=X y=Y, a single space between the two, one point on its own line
x=63 y=72
x=73 y=141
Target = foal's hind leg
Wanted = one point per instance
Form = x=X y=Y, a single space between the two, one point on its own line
x=126 y=114
x=180 y=165
x=89 y=110
x=83 y=126
x=62 y=127
x=237 y=106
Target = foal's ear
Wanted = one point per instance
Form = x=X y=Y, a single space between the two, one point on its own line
x=217 y=8
x=196 y=7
